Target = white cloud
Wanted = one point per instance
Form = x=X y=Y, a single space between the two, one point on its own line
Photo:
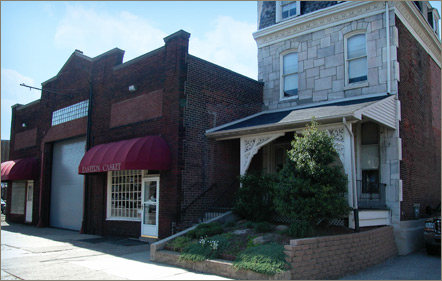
x=229 y=44
x=95 y=32
x=13 y=93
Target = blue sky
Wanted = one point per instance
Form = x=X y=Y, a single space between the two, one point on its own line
x=37 y=37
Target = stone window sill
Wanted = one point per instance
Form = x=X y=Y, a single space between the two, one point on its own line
x=356 y=85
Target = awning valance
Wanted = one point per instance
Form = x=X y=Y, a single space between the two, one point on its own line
x=20 y=169
x=146 y=153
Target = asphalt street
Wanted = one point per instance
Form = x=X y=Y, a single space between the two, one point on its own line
x=415 y=266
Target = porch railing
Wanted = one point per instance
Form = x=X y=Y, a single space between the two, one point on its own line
x=371 y=195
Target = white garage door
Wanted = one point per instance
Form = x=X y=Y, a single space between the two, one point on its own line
x=67 y=185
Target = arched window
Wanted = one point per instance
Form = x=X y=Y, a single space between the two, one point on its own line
x=356 y=58
x=289 y=76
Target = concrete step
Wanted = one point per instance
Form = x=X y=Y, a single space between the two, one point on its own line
x=373 y=217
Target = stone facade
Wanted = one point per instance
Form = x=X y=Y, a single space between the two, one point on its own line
x=321 y=62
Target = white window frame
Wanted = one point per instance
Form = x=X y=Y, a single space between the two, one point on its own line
x=436 y=19
x=109 y=198
x=279 y=5
x=358 y=84
x=282 y=76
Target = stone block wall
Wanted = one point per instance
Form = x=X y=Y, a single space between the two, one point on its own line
x=333 y=256
x=321 y=63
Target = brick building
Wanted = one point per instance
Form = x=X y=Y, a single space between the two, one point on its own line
x=370 y=73
x=119 y=148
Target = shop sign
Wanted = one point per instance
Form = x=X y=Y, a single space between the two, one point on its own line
x=101 y=168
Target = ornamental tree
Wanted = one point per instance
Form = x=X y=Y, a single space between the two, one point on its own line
x=311 y=187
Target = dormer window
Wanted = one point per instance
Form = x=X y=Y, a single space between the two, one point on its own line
x=287 y=9
x=289 y=76
x=433 y=20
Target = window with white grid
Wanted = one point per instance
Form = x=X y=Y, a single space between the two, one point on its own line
x=70 y=113
x=124 y=194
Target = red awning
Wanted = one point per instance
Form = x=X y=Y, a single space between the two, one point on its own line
x=147 y=153
x=20 y=169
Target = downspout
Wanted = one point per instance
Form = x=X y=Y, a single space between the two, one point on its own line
x=88 y=146
x=387 y=32
x=353 y=175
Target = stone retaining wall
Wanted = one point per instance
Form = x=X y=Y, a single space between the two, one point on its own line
x=333 y=256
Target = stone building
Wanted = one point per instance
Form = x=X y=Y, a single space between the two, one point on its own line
x=369 y=72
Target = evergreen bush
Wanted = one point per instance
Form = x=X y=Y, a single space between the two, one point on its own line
x=254 y=199
x=311 y=187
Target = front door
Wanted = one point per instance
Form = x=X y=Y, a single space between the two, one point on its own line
x=150 y=195
x=29 y=195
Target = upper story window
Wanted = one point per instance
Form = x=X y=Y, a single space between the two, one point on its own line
x=289 y=76
x=433 y=20
x=287 y=9
x=70 y=113
x=356 y=59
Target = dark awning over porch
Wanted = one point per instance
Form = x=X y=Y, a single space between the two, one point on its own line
x=20 y=169
x=381 y=108
x=146 y=153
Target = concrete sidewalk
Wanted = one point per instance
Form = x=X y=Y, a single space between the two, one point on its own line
x=34 y=253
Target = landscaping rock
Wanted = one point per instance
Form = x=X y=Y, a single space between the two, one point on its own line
x=263 y=239
x=282 y=227
x=241 y=231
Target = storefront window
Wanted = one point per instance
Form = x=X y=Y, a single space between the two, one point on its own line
x=18 y=197
x=124 y=194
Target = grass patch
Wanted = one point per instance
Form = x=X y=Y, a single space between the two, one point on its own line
x=205 y=248
x=206 y=229
x=179 y=243
x=268 y=259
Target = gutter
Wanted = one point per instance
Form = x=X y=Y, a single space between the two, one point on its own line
x=387 y=30
x=353 y=175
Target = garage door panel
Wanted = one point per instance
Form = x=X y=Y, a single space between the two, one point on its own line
x=67 y=185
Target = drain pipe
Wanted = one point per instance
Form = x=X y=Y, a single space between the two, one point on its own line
x=353 y=175
x=387 y=32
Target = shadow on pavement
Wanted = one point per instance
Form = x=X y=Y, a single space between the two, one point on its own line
x=112 y=245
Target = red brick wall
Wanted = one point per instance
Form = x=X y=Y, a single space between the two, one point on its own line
x=214 y=96
x=419 y=93
x=19 y=148
x=144 y=107
x=330 y=257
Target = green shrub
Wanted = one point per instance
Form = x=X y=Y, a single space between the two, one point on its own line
x=267 y=259
x=262 y=227
x=229 y=224
x=253 y=201
x=300 y=229
x=312 y=187
x=249 y=224
x=206 y=229
x=205 y=248
x=180 y=243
